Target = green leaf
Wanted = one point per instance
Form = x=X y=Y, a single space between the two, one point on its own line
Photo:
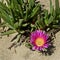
x=27 y=11
x=2 y=24
x=19 y=37
x=52 y=10
x=22 y=31
x=28 y=45
x=32 y=25
x=31 y=3
x=16 y=25
x=46 y=14
x=21 y=11
x=56 y=26
x=51 y=7
x=57 y=6
x=49 y=21
x=7 y=18
x=40 y=22
x=8 y=32
x=16 y=7
x=35 y=10
x=24 y=25
x=20 y=21
x=20 y=1
x=4 y=7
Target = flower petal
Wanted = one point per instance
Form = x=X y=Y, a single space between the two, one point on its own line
x=34 y=48
x=39 y=34
x=41 y=48
x=46 y=46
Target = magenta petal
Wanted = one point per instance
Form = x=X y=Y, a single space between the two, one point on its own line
x=46 y=46
x=46 y=36
x=37 y=48
x=34 y=48
x=41 y=48
x=39 y=34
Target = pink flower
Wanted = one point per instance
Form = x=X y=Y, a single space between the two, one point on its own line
x=39 y=40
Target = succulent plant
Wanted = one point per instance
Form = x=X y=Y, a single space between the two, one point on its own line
x=19 y=16
x=52 y=18
x=26 y=16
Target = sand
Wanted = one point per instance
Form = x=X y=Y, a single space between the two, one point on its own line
x=23 y=53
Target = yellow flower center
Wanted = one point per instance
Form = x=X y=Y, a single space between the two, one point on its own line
x=39 y=41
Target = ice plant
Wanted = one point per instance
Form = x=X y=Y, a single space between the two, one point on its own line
x=39 y=40
x=19 y=16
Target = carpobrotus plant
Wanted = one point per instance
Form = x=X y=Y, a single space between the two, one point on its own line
x=28 y=19
x=20 y=16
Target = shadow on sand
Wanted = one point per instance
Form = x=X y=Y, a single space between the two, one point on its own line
x=50 y=50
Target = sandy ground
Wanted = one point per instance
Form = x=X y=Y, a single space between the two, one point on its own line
x=23 y=53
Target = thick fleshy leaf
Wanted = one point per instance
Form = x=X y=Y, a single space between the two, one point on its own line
x=35 y=10
x=8 y=32
x=31 y=3
x=49 y=21
x=51 y=8
x=7 y=18
x=57 y=6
